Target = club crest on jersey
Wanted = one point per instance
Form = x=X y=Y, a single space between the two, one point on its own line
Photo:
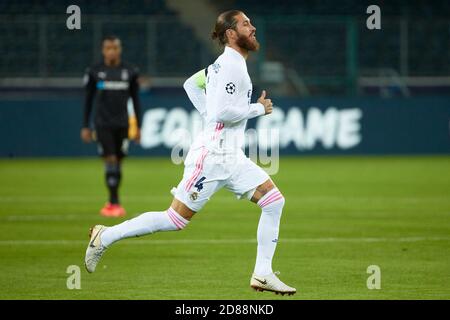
x=124 y=75
x=193 y=196
x=230 y=87
x=101 y=75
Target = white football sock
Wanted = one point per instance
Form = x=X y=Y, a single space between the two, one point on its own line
x=272 y=205
x=143 y=224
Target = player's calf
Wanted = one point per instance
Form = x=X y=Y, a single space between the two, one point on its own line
x=102 y=237
x=272 y=204
x=146 y=223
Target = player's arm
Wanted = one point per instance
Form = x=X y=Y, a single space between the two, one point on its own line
x=134 y=93
x=234 y=107
x=90 y=87
x=195 y=89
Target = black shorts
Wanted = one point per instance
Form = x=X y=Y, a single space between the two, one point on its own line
x=112 y=141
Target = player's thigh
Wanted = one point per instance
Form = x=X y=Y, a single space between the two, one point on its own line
x=106 y=145
x=199 y=194
x=261 y=190
x=182 y=209
x=201 y=179
x=246 y=178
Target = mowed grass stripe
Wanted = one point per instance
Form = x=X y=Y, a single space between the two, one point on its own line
x=223 y=241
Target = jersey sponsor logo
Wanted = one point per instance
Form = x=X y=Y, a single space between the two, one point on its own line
x=113 y=85
x=230 y=88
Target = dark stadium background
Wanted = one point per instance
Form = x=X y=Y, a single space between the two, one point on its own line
x=378 y=193
x=313 y=53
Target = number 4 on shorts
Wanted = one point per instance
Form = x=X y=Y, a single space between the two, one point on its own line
x=199 y=184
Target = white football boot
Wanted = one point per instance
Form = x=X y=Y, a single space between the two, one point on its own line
x=95 y=248
x=271 y=283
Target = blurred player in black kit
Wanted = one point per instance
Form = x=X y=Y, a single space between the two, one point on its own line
x=111 y=82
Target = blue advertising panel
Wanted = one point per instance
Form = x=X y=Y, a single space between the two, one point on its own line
x=51 y=126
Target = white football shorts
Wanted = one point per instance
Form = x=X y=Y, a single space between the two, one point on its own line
x=206 y=172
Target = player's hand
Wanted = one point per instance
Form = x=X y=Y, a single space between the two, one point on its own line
x=137 y=137
x=86 y=135
x=267 y=103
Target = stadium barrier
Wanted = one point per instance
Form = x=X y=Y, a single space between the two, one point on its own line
x=50 y=125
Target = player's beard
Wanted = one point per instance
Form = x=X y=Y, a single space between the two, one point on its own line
x=247 y=42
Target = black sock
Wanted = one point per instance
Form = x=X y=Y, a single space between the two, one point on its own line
x=113 y=176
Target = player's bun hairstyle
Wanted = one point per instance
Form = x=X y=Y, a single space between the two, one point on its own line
x=226 y=20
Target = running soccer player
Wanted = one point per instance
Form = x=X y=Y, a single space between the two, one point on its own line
x=113 y=82
x=216 y=158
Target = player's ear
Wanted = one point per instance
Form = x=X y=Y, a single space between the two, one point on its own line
x=229 y=33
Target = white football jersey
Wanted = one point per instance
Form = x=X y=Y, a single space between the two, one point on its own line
x=228 y=105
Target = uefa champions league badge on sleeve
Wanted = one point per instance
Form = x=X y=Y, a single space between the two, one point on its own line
x=230 y=87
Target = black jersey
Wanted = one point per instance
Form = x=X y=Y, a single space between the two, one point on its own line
x=112 y=86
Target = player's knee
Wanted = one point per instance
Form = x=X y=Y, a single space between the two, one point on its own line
x=282 y=200
x=273 y=199
x=111 y=159
x=279 y=202
x=177 y=220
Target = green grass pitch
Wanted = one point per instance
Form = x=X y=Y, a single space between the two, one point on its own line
x=342 y=214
